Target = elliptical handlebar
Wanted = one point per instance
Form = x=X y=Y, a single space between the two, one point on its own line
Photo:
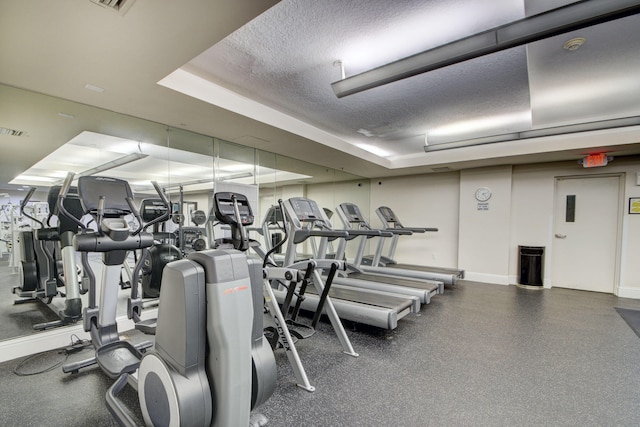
x=244 y=245
x=164 y=199
x=66 y=184
x=24 y=204
x=267 y=257
x=62 y=195
x=26 y=199
x=165 y=216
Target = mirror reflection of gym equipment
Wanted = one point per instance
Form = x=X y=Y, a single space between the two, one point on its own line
x=536 y=235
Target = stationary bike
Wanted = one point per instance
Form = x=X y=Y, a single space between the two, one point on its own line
x=211 y=364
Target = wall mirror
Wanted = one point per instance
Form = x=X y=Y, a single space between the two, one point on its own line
x=189 y=167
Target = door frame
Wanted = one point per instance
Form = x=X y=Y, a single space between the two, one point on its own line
x=619 y=225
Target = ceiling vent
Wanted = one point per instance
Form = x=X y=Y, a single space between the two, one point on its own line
x=10 y=132
x=120 y=6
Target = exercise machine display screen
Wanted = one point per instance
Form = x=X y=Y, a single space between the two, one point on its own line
x=225 y=211
x=306 y=210
x=387 y=213
x=115 y=192
x=352 y=212
x=152 y=209
x=274 y=215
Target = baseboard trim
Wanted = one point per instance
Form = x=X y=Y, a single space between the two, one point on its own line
x=629 y=293
x=56 y=338
x=497 y=279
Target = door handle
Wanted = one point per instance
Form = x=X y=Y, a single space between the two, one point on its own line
x=561 y=236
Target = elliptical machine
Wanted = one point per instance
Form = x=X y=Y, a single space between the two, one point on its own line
x=108 y=201
x=211 y=364
x=162 y=252
x=37 y=267
x=49 y=261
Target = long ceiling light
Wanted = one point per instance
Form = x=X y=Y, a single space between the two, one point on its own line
x=537 y=133
x=113 y=164
x=571 y=17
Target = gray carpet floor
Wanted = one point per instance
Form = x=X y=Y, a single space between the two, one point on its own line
x=479 y=355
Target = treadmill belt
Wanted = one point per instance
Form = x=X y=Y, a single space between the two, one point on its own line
x=396 y=281
x=369 y=298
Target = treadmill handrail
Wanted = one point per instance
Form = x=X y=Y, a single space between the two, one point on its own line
x=364 y=232
x=420 y=229
x=300 y=236
x=400 y=231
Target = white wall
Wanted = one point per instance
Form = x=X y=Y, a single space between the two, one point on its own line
x=484 y=227
x=520 y=212
x=331 y=195
x=532 y=217
x=422 y=201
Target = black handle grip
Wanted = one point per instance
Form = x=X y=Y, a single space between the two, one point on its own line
x=161 y=194
x=66 y=185
x=27 y=198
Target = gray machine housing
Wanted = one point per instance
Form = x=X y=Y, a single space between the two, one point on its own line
x=211 y=364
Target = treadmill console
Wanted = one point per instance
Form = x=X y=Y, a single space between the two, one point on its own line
x=306 y=210
x=387 y=213
x=352 y=212
x=274 y=215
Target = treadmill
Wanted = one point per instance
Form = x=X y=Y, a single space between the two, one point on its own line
x=379 y=309
x=391 y=223
x=304 y=214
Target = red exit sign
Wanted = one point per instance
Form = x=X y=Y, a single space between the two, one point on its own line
x=595 y=160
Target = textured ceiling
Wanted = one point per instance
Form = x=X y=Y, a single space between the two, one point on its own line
x=285 y=59
x=272 y=65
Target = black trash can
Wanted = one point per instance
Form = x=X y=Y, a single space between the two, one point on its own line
x=530 y=265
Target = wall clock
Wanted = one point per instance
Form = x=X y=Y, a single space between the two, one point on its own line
x=483 y=194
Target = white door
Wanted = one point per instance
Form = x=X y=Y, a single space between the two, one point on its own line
x=585 y=237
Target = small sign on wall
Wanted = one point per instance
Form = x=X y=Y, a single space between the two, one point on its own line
x=483 y=194
x=634 y=205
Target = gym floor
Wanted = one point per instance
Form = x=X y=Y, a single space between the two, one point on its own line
x=479 y=355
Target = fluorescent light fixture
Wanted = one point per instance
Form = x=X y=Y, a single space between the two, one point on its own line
x=537 y=133
x=374 y=150
x=93 y=88
x=113 y=164
x=482 y=124
x=235 y=176
x=34 y=178
x=537 y=27
x=187 y=183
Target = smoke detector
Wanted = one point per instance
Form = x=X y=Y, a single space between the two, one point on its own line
x=573 y=44
x=120 y=6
